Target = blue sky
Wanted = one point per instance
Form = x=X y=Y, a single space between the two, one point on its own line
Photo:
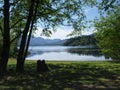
x=62 y=32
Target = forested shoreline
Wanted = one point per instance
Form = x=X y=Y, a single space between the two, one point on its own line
x=83 y=40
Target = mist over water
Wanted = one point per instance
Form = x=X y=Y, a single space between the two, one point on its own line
x=65 y=53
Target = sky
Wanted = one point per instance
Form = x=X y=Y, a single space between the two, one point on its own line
x=62 y=31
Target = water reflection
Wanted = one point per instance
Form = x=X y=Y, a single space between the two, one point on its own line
x=85 y=51
x=64 y=53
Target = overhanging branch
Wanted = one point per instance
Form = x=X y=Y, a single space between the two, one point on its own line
x=16 y=23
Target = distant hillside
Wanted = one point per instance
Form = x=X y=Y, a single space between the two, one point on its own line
x=38 y=41
x=81 y=41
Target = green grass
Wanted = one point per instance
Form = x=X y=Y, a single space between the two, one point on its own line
x=63 y=76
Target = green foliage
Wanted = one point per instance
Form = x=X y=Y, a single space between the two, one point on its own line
x=108 y=6
x=17 y=21
x=108 y=35
x=81 y=41
x=14 y=49
x=62 y=12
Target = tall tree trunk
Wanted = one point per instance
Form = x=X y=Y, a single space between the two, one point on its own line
x=6 y=39
x=20 y=61
x=31 y=28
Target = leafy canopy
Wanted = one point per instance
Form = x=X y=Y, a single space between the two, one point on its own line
x=108 y=35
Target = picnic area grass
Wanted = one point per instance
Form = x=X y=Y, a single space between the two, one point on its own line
x=63 y=75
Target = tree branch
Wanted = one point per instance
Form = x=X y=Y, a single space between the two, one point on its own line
x=16 y=37
x=14 y=2
x=16 y=23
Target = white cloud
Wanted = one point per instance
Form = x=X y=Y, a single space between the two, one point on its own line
x=88 y=32
x=61 y=33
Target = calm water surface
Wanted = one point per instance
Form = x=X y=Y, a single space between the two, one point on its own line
x=64 y=53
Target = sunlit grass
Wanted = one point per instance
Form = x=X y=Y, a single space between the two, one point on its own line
x=63 y=76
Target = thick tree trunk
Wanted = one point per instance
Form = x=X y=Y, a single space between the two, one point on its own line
x=20 y=61
x=6 y=39
x=31 y=28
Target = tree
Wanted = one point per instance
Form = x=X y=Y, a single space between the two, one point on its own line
x=20 y=61
x=51 y=14
x=31 y=29
x=108 y=35
x=108 y=29
x=8 y=29
x=6 y=38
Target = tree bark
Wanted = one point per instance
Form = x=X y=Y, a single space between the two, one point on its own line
x=31 y=28
x=20 y=61
x=6 y=39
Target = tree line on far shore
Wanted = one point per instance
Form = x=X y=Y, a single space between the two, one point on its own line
x=83 y=40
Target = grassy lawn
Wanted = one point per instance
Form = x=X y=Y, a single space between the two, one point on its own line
x=64 y=76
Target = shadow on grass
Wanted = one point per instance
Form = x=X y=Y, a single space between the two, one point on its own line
x=73 y=76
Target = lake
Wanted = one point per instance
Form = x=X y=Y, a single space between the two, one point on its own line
x=65 y=53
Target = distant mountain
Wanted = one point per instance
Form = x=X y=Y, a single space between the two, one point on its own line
x=38 y=41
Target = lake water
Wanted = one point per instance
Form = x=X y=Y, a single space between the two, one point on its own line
x=64 y=53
